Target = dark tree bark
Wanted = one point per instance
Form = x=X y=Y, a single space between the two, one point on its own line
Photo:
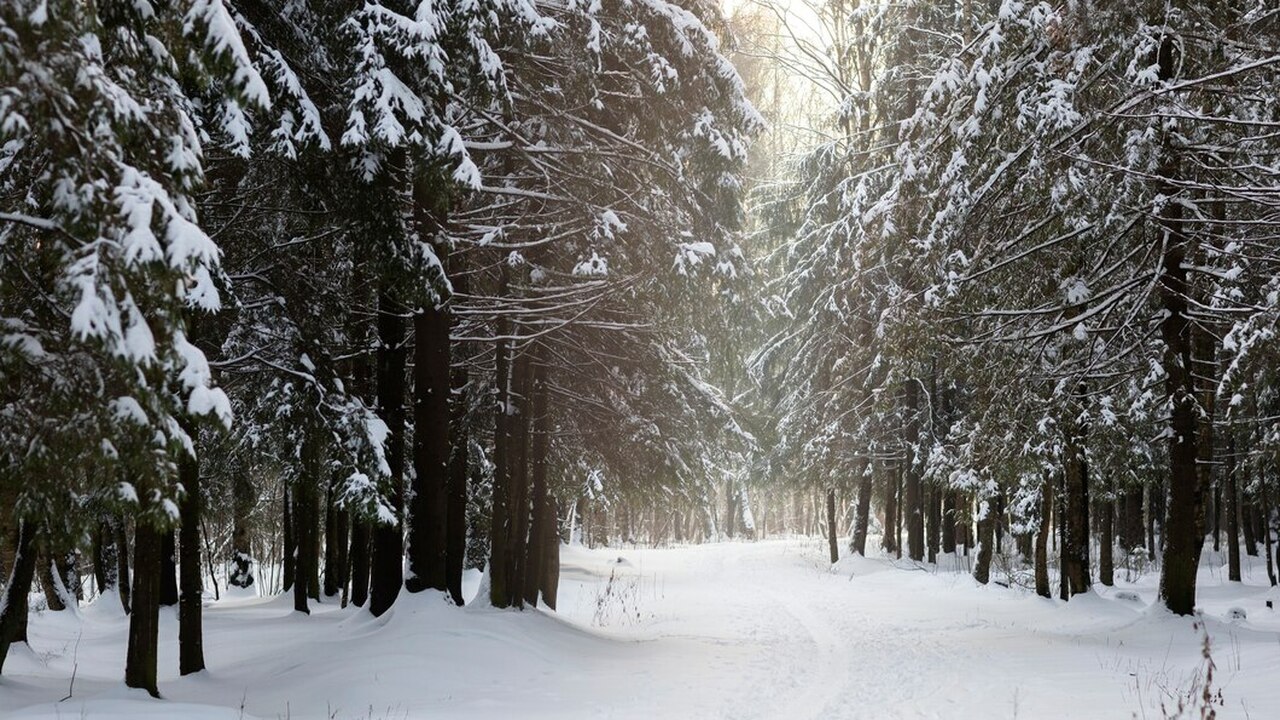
x=500 y=522
x=386 y=564
x=889 y=541
x=1132 y=532
x=336 y=528
x=1247 y=519
x=428 y=511
x=833 y=543
x=190 y=622
x=459 y=459
x=1151 y=493
x=539 y=534
x=1106 y=537
x=1181 y=532
x=933 y=526
x=1266 y=534
x=242 y=502
x=13 y=598
x=550 y=565
x=359 y=562
x=144 y=621
x=290 y=551
x=986 y=543
x=45 y=572
x=104 y=557
x=1075 y=540
x=1233 y=510
x=913 y=503
x=1042 y=538
x=519 y=497
x=305 y=519
x=863 y=517
x=949 y=504
x=124 y=582
x=169 y=569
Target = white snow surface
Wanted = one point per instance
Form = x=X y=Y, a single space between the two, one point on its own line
x=728 y=630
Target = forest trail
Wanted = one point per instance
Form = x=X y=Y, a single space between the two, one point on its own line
x=736 y=631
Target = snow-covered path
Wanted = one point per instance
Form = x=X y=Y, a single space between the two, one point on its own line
x=735 y=630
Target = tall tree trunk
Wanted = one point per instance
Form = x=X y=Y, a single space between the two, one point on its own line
x=290 y=552
x=1233 y=510
x=833 y=543
x=459 y=457
x=986 y=542
x=1248 y=517
x=519 y=497
x=550 y=566
x=1075 y=541
x=124 y=582
x=359 y=561
x=332 y=567
x=169 y=569
x=305 y=511
x=1042 y=538
x=144 y=621
x=500 y=517
x=1133 y=518
x=933 y=526
x=190 y=621
x=949 y=521
x=387 y=564
x=890 y=479
x=13 y=598
x=1182 y=525
x=539 y=534
x=104 y=557
x=913 y=507
x=242 y=502
x=1266 y=533
x=428 y=511
x=1106 y=537
x=863 y=517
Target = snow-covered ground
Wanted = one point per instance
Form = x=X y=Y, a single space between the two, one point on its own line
x=736 y=630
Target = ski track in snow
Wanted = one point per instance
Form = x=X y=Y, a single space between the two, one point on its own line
x=735 y=631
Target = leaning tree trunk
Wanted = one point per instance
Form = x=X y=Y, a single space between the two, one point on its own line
x=190 y=622
x=13 y=599
x=833 y=543
x=1042 y=538
x=144 y=621
x=428 y=510
x=386 y=565
x=46 y=571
